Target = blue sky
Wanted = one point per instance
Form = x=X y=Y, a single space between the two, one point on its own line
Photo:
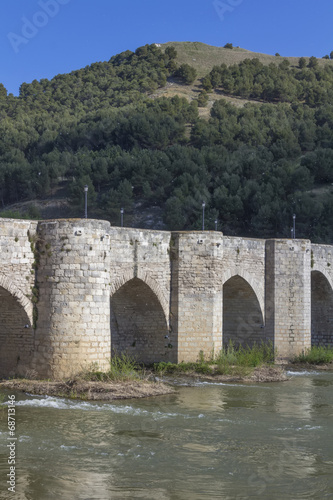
x=41 y=38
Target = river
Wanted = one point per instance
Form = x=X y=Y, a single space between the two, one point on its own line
x=212 y=441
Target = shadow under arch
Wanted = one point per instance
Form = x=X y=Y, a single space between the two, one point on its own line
x=321 y=309
x=231 y=272
x=16 y=333
x=138 y=323
x=8 y=285
x=243 y=321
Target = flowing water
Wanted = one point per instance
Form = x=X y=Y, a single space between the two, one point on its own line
x=212 y=441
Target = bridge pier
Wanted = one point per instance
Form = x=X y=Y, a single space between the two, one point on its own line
x=196 y=293
x=73 y=276
x=288 y=295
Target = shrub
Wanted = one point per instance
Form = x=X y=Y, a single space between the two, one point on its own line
x=203 y=99
x=186 y=73
x=317 y=355
x=122 y=367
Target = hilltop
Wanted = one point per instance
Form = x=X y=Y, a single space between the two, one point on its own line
x=204 y=57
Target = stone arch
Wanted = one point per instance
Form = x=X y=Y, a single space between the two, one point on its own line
x=16 y=332
x=8 y=285
x=229 y=273
x=153 y=285
x=138 y=322
x=321 y=269
x=243 y=321
x=321 y=308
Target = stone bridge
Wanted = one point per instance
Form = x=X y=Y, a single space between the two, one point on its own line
x=74 y=291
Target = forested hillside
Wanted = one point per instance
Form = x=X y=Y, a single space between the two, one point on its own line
x=107 y=126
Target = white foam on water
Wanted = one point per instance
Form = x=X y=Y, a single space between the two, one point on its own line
x=24 y=438
x=227 y=384
x=69 y=447
x=67 y=404
x=302 y=373
x=303 y=428
x=309 y=428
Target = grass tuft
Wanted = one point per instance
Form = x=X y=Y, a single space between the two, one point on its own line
x=317 y=355
x=230 y=361
x=123 y=367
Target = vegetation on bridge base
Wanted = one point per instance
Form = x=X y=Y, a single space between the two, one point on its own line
x=317 y=355
x=235 y=361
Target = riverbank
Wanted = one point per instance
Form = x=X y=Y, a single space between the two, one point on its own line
x=90 y=391
x=151 y=386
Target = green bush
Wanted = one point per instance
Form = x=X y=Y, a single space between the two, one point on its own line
x=317 y=355
x=203 y=99
x=122 y=367
x=186 y=73
x=230 y=361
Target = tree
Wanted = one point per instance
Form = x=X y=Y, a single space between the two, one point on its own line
x=331 y=55
x=228 y=46
x=207 y=84
x=284 y=65
x=186 y=73
x=326 y=57
x=203 y=99
x=313 y=63
x=302 y=62
x=171 y=52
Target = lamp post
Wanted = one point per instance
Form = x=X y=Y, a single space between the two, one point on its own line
x=121 y=217
x=203 y=215
x=216 y=225
x=294 y=226
x=292 y=233
x=85 y=201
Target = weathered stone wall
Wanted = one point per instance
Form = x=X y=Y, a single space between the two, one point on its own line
x=140 y=294
x=321 y=295
x=243 y=322
x=138 y=324
x=196 y=294
x=244 y=291
x=288 y=295
x=17 y=280
x=73 y=277
x=245 y=257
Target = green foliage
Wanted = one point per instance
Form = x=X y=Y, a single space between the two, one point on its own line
x=253 y=79
x=13 y=214
x=313 y=63
x=103 y=126
x=302 y=62
x=171 y=52
x=203 y=99
x=164 y=368
x=317 y=355
x=231 y=360
x=122 y=367
x=207 y=84
x=253 y=356
x=228 y=46
x=186 y=73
